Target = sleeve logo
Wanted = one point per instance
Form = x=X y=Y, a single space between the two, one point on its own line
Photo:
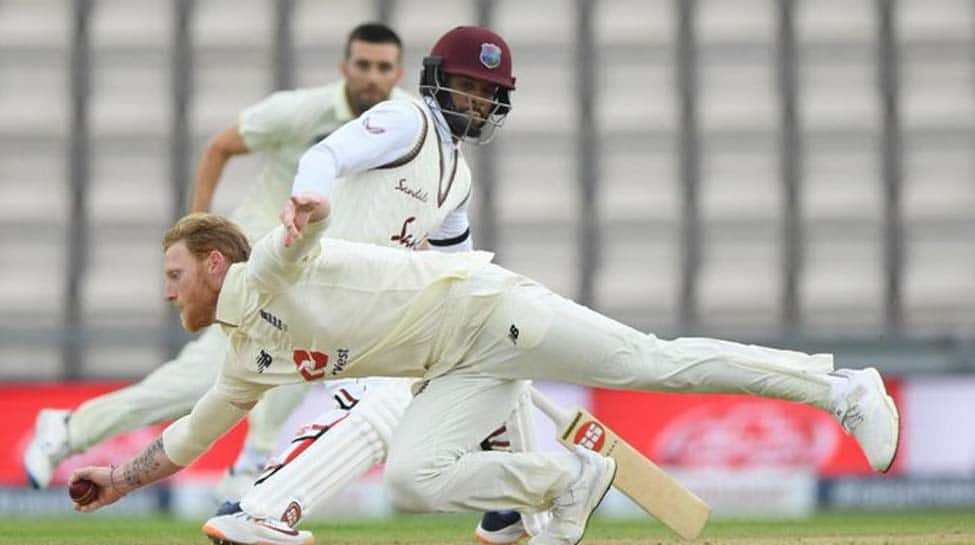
x=370 y=128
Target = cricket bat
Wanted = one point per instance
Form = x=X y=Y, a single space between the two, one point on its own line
x=639 y=478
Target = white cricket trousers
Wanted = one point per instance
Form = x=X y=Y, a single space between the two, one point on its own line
x=170 y=392
x=434 y=463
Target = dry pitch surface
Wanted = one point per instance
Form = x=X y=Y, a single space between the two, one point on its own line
x=910 y=528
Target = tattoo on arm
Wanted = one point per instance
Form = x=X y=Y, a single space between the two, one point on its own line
x=151 y=465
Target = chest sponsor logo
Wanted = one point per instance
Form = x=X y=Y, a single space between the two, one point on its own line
x=263 y=361
x=405 y=237
x=414 y=192
x=341 y=361
x=273 y=320
x=311 y=364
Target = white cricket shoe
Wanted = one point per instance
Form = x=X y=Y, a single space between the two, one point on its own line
x=861 y=405
x=243 y=529
x=571 y=511
x=500 y=528
x=48 y=448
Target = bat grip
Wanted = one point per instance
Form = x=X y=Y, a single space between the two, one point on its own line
x=551 y=410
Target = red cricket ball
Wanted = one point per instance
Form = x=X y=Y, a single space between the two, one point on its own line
x=83 y=491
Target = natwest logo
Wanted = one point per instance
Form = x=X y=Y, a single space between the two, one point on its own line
x=311 y=364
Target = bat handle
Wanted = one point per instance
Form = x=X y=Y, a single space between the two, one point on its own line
x=551 y=410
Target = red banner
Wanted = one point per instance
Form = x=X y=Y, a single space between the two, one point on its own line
x=732 y=431
x=672 y=429
x=19 y=404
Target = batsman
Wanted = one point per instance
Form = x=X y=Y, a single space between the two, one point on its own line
x=470 y=330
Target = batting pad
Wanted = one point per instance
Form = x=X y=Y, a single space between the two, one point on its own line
x=342 y=452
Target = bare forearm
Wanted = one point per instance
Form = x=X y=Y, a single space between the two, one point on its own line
x=207 y=177
x=148 y=467
x=219 y=150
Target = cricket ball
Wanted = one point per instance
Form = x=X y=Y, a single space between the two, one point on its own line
x=83 y=491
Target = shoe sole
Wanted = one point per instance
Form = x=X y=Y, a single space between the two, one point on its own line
x=609 y=484
x=487 y=541
x=892 y=408
x=218 y=538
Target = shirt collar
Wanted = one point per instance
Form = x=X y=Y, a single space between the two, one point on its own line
x=230 y=302
x=440 y=121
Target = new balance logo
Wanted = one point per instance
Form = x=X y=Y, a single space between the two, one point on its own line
x=273 y=320
x=263 y=361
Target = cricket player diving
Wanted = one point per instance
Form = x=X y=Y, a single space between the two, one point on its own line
x=470 y=331
x=397 y=168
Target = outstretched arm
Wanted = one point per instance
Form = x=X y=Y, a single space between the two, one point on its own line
x=114 y=482
x=282 y=256
x=219 y=150
x=181 y=443
x=300 y=210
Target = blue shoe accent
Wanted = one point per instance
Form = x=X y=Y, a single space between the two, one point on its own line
x=493 y=521
x=229 y=508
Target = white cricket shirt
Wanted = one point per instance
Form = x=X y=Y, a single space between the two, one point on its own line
x=329 y=309
x=283 y=126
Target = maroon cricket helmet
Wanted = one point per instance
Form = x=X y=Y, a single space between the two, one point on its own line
x=475 y=52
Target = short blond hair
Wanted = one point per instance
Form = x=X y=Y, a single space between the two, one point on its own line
x=203 y=232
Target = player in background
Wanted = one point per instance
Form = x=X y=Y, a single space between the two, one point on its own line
x=283 y=126
x=470 y=330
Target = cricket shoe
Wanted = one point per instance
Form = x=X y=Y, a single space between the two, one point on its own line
x=49 y=446
x=228 y=508
x=243 y=529
x=861 y=405
x=500 y=528
x=572 y=510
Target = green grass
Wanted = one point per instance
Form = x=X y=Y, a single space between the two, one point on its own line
x=914 y=528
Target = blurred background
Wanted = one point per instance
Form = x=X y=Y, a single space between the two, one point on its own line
x=798 y=173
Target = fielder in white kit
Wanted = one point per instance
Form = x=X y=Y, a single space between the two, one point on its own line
x=470 y=330
x=404 y=182
x=282 y=127
x=416 y=179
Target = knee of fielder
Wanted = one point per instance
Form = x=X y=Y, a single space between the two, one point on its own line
x=413 y=483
